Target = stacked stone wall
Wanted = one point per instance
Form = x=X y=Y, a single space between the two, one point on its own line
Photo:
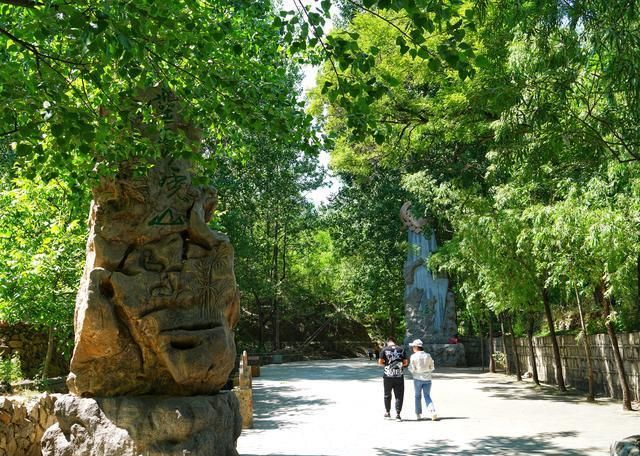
x=23 y=422
x=473 y=351
x=574 y=361
x=30 y=344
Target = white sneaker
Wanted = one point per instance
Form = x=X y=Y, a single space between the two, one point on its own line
x=434 y=417
x=418 y=416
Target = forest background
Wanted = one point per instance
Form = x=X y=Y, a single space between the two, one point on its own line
x=511 y=125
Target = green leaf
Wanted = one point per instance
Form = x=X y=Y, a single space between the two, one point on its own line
x=123 y=40
x=391 y=80
x=482 y=61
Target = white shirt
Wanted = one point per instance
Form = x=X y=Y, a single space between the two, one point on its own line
x=421 y=365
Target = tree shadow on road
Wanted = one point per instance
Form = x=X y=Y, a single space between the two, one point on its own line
x=274 y=407
x=512 y=390
x=538 y=444
x=457 y=373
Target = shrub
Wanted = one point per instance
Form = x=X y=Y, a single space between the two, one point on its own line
x=10 y=369
x=500 y=359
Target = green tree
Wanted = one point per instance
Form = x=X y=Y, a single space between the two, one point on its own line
x=72 y=75
x=42 y=246
x=75 y=78
x=370 y=244
x=265 y=213
x=549 y=110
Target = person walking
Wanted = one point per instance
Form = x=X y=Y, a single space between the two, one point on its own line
x=394 y=359
x=421 y=366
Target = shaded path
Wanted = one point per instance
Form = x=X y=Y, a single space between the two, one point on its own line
x=335 y=408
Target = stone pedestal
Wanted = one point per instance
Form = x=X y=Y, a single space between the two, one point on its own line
x=244 y=393
x=447 y=355
x=245 y=398
x=144 y=425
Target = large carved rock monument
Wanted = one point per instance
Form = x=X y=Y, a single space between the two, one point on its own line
x=430 y=310
x=154 y=321
x=158 y=298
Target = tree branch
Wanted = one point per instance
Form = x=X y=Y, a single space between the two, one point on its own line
x=34 y=49
x=10 y=132
x=391 y=23
x=22 y=3
x=320 y=40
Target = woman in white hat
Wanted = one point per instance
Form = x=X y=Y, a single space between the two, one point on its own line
x=421 y=366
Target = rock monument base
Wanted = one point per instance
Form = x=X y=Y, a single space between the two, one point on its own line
x=144 y=425
x=447 y=355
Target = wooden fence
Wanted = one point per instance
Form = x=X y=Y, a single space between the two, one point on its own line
x=574 y=361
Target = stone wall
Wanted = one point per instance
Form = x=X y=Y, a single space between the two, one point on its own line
x=23 y=422
x=472 y=350
x=30 y=344
x=574 y=362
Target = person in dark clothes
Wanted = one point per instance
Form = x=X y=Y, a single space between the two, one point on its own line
x=394 y=359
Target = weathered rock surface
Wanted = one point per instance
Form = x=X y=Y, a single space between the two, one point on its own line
x=447 y=355
x=158 y=299
x=430 y=309
x=144 y=425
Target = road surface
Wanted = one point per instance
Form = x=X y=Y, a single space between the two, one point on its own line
x=336 y=408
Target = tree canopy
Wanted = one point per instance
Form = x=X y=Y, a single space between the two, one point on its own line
x=72 y=75
x=512 y=126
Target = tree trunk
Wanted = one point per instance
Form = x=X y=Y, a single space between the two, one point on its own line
x=514 y=347
x=481 y=344
x=622 y=378
x=532 y=351
x=391 y=323
x=275 y=324
x=283 y=276
x=281 y=280
x=492 y=362
x=638 y=280
x=261 y=323
x=554 y=340
x=587 y=348
x=507 y=362
x=49 y=355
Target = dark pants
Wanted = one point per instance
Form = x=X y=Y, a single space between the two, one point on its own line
x=397 y=385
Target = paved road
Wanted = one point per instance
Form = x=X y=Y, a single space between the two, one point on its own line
x=335 y=408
